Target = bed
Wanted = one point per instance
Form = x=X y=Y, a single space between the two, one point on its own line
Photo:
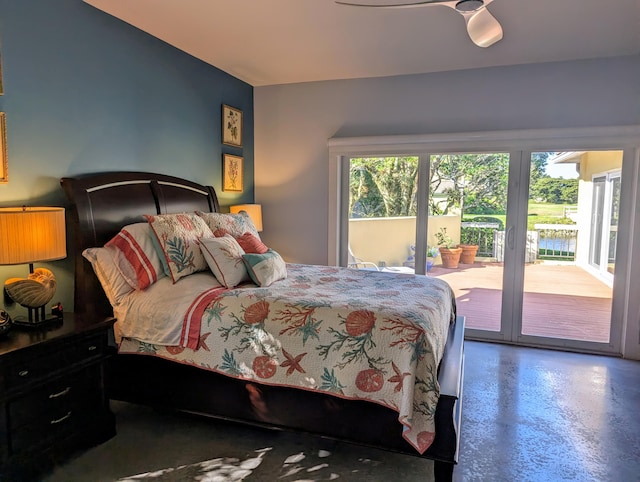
x=168 y=374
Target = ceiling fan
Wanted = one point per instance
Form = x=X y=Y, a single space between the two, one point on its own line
x=483 y=28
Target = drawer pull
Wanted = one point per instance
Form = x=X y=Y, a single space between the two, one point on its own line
x=61 y=419
x=60 y=394
x=23 y=373
x=92 y=347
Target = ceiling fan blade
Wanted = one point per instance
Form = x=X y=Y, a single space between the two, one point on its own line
x=386 y=3
x=483 y=28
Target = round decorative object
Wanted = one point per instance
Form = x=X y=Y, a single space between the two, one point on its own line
x=5 y=322
x=34 y=291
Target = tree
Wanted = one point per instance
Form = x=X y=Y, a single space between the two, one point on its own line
x=555 y=190
x=387 y=186
x=538 y=166
x=383 y=186
x=475 y=183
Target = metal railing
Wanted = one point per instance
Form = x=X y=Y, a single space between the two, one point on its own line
x=557 y=241
x=480 y=234
x=547 y=241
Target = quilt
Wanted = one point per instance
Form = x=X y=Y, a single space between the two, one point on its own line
x=353 y=334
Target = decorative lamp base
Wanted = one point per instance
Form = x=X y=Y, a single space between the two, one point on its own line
x=37 y=318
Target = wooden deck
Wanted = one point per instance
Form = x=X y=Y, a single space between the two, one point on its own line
x=560 y=301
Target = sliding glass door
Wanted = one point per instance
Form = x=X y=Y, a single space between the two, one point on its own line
x=468 y=195
x=572 y=220
x=552 y=229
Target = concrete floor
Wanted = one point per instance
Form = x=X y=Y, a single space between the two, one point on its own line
x=528 y=415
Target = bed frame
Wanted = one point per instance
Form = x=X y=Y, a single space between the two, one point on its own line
x=103 y=203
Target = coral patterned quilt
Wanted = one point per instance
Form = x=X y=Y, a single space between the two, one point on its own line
x=351 y=333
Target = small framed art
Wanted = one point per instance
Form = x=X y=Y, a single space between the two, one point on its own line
x=4 y=175
x=232 y=173
x=231 y=126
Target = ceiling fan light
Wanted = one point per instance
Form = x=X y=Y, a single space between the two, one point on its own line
x=465 y=6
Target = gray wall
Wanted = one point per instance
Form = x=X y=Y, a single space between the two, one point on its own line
x=294 y=122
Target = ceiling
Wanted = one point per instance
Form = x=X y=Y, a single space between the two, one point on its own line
x=266 y=42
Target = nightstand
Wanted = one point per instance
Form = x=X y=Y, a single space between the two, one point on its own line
x=53 y=401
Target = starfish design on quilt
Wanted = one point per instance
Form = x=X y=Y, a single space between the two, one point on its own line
x=202 y=342
x=398 y=378
x=292 y=362
x=215 y=311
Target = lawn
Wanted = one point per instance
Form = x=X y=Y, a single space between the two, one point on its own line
x=539 y=213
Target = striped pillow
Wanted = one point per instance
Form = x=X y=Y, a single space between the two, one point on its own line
x=136 y=256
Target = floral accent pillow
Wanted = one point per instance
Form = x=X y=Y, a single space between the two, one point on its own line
x=136 y=256
x=224 y=257
x=115 y=286
x=177 y=236
x=265 y=269
x=234 y=224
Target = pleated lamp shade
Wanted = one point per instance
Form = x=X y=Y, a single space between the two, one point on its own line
x=31 y=234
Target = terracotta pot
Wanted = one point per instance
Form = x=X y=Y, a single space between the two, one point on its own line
x=469 y=252
x=450 y=257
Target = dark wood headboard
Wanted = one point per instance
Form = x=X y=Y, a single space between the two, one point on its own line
x=102 y=203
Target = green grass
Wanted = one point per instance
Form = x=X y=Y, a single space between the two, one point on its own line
x=548 y=210
x=539 y=213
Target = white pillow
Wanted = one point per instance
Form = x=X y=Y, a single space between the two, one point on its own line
x=114 y=284
x=224 y=257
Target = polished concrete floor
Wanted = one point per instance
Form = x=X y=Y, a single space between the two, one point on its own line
x=528 y=415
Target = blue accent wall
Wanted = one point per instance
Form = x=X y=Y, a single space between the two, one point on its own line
x=86 y=92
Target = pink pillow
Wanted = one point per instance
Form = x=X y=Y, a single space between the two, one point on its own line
x=251 y=244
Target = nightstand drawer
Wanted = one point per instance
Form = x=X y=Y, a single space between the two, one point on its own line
x=90 y=347
x=73 y=419
x=57 y=398
x=23 y=371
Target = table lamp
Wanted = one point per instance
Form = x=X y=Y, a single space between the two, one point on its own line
x=253 y=210
x=30 y=235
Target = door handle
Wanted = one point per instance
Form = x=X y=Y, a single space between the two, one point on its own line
x=510 y=243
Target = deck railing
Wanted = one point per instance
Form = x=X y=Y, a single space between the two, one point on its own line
x=546 y=241
x=557 y=241
x=480 y=234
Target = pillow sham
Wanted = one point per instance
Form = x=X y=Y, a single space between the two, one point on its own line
x=234 y=224
x=136 y=255
x=224 y=257
x=177 y=236
x=265 y=269
x=251 y=244
x=115 y=286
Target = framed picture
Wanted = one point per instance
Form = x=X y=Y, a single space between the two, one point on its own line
x=4 y=175
x=232 y=173
x=231 y=126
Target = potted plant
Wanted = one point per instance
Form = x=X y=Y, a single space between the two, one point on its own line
x=469 y=252
x=449 y=252
x=432 y=254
